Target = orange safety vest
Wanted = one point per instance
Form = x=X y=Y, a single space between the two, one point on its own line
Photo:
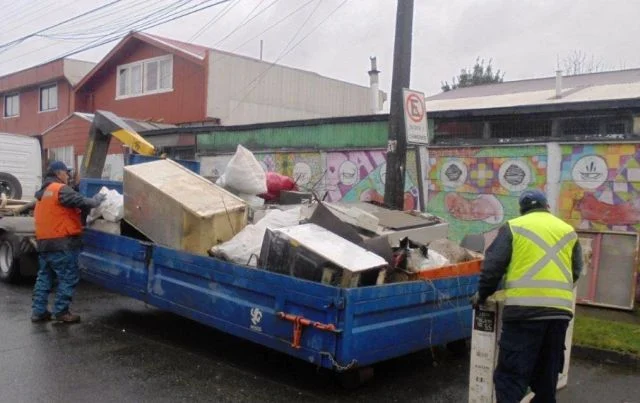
x=53 y=220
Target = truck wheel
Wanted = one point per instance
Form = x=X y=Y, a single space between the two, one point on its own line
x=10 y=186
x=9 y=250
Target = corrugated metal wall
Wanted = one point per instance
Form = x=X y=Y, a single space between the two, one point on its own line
x=329 y=136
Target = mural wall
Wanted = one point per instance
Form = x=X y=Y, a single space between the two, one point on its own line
x=342 y=175
x=600 y=185
x=476 y=189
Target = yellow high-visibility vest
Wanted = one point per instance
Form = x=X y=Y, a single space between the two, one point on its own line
x=540 y=272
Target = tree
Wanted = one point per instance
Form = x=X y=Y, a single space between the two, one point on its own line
x=579 y=63
x=478 y=75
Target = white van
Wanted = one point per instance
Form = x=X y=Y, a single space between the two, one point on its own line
x=20 y=166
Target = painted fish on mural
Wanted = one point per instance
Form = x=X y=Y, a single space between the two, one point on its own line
x=480 y=208
x=595 y=210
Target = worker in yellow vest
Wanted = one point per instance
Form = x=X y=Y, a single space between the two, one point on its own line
x=538 y=258
x=58 y=225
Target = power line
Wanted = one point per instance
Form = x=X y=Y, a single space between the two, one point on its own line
x=212 y=21
x=273 y=25
x=86 y=29
x=19 y=15
x=173 y=17
x=247 y=20
x=116 y=34
x=19 y=40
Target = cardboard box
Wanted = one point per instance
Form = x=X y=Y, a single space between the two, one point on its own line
x=485 y=336
x=177 y=208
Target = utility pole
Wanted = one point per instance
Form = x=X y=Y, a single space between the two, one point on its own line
x=397 y=144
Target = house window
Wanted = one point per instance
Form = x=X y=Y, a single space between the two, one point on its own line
x=64 y=154
x=49 y=98
x=11 y=105
x=150 y=76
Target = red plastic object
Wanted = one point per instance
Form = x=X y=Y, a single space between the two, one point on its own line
x=276 y=183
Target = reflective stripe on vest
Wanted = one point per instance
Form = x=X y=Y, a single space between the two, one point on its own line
x=52 y=219
x=539 y=274
x=551 y=254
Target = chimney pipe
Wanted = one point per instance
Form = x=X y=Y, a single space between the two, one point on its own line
x=374 y=86
x=558 y=83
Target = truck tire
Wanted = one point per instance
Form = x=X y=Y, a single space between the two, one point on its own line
x=10 y=186
x=9 y=258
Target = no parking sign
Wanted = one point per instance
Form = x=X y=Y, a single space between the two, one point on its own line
x=415 y=117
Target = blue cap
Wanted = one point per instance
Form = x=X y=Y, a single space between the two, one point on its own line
x=532 y=199
x=55 y=166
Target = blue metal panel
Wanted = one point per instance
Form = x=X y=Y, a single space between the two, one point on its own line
x=393 y=320
x=245 y=301
x=89 y=187
x=373 y=323
x=115 y=262
x=139 y=159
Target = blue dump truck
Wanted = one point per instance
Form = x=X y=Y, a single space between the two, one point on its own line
x=342 y=329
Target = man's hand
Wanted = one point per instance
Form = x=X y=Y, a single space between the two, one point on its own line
x=475 y=301
x=98 y=198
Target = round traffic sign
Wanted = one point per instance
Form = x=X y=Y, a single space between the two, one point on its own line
x=414 y=108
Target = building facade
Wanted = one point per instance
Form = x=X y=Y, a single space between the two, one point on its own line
x=39 y=97
x=151 y=77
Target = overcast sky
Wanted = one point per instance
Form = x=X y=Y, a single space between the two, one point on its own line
x=524 y=38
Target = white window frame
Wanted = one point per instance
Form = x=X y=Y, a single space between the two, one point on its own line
x=47 y=86
x=65 y=154
x=4 y=105
x=142 y=64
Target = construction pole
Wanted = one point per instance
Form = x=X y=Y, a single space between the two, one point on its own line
x=397 y=144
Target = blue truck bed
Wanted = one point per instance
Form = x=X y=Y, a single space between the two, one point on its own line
x=339 y=328
x=332 y=327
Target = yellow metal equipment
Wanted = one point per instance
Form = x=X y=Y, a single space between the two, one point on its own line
x=105 y=125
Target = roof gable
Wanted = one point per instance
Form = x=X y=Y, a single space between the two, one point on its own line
x=194 y=53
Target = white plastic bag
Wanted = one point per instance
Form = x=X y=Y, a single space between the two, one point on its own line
x=421 y=263
x=244 y=174
x=111 y=209
x=248 y=242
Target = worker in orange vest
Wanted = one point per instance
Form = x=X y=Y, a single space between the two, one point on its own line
x=58 y=228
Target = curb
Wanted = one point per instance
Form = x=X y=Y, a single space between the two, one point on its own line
x=606 y=356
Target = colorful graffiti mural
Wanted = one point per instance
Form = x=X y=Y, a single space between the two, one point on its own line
x=600 y=186
x=477 y=189
x=342 y=176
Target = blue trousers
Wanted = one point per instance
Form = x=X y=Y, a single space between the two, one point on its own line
x=62 y=265
x=531 y=355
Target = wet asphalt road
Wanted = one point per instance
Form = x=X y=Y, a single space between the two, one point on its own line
x=126 y=351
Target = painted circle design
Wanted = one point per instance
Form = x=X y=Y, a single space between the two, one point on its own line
x=348 y=173
x=454 y=173
x=590 y=172
x=514 y=175
x=302 y=173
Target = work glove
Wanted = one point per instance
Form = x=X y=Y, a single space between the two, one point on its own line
x=475 y=300
x=98 y=198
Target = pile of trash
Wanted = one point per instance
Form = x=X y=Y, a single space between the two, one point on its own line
x=342 y=244
x=245 y=177
x=108 y=215
x=261 y=219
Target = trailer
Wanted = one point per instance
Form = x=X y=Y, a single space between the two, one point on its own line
x=340 y=329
